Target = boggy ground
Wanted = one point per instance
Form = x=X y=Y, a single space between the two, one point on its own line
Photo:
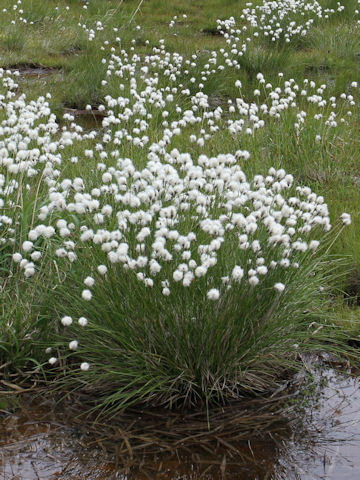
x=319 y=438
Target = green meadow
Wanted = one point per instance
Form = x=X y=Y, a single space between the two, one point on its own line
x=179 y=195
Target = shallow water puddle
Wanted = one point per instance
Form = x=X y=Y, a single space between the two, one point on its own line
x=33 y=72
x=36 y=444
x=87 y=118
x=334 y=453
x=40 y=443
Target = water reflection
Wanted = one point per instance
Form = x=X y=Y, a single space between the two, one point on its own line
x=333 y=453
x=40 y=442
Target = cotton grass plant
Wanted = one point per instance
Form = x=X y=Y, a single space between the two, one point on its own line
x=190 y=297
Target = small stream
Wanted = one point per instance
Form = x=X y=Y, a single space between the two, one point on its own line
x=39 y=442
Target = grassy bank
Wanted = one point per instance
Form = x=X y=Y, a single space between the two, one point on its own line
x=173 y=187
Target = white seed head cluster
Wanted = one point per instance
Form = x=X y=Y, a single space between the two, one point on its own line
x=276 y=21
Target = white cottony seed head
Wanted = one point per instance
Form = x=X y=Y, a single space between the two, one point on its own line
x=279 y=287
x=73 y=345
x=66 y=321
x=213 y=294
x=82 y=321
x=86 y=295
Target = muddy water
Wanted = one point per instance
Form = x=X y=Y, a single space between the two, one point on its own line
x=40 y=442
x=88 y=119
x=31 y=73
x=334 y=452
x=35 y=445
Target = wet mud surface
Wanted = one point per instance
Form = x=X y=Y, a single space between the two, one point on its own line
x=87 y=118
x=41 y=441
x=30 y=71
